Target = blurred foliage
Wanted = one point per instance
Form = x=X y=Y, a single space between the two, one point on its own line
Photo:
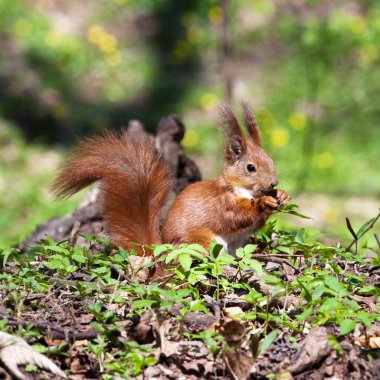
x=310 y=68
x=25 y=175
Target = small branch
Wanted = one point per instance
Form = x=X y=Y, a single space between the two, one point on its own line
x=55 y=332
x=269 y=255
x=280 y=261
x=377 y=239
x=74 y=233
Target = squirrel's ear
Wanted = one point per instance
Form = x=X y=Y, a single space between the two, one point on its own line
x=251 y=124
x=234 y=149
x=235 y=143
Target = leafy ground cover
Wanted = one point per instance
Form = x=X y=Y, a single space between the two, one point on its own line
x=285 y=307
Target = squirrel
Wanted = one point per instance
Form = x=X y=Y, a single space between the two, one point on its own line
x=135 y=182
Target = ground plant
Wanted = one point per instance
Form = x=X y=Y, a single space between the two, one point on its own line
x=90 y=310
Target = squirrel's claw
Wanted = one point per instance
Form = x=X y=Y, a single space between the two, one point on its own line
x=267 y=201
x=282 y=198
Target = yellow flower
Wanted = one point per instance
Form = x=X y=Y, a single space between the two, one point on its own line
x=369 y=52
x=22 y=27
x=357 y=25
x=208 y=101
x=279 y=137
x=297 y=121
x=215 y=15
x=325 y=160
x=95 y=33
x=53 y=38
x=191 y=139
x=107 y=43
x=113 y=59
x=97 y=36
x=194 y=34
x=331 y=215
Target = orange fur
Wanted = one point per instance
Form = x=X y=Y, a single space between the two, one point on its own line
x=134 y=184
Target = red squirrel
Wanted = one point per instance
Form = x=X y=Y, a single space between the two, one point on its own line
x=135 y=182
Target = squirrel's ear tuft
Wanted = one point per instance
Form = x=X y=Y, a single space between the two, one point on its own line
x=251 y=124
x=235 y=142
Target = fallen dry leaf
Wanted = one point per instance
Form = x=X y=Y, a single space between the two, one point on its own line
x=232 y=312
x=240 y=361
x=371 y=340
x=312 y=350
x=14 y=351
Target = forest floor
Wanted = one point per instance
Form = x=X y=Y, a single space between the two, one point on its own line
x=285 y=307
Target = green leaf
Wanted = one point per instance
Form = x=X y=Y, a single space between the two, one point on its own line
x=185 y=260
x=172 y=255
x=333 y=284
x=56 y=248
x=369 y=289
x=346 y=326
x=305 y=314
x=249 y=249
x=240 y=253
x=335 y=344
x=290 y=209
x=348 y=223
x=364 y=318
x=215 y=249
x=79 y=258
x=331 y=304
x=362 y=229
x=143 y=304
x=56 y=263
x=197 y=247
x=162 y=248
x=269 y=339
x=124 y=253
x=6 y=253
x=31 y=368
x=198 y=306
x=300 y=236
x=100 y=270
x=284 y=249
x=256 y=266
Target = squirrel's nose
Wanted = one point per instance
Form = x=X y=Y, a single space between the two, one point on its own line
x=274 y=183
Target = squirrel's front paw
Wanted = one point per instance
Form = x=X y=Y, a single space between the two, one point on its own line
x=282 y=198
x=267 y=201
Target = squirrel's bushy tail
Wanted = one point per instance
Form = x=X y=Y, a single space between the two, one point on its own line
x=134 y=184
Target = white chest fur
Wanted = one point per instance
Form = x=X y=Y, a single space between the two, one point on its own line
x=231 y=242
x=242 y=192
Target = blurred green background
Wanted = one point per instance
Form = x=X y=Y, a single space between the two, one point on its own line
x=309 y=68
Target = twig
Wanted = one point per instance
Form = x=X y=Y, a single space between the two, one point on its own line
x=365 y=231
x=263 y=255
x=74 y=233
x=166 y=279
x=122 y=276
x=55 y=332
x=276 y=258
x=377 y=239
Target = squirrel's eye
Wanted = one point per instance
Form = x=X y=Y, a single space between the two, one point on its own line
x=251 y=168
